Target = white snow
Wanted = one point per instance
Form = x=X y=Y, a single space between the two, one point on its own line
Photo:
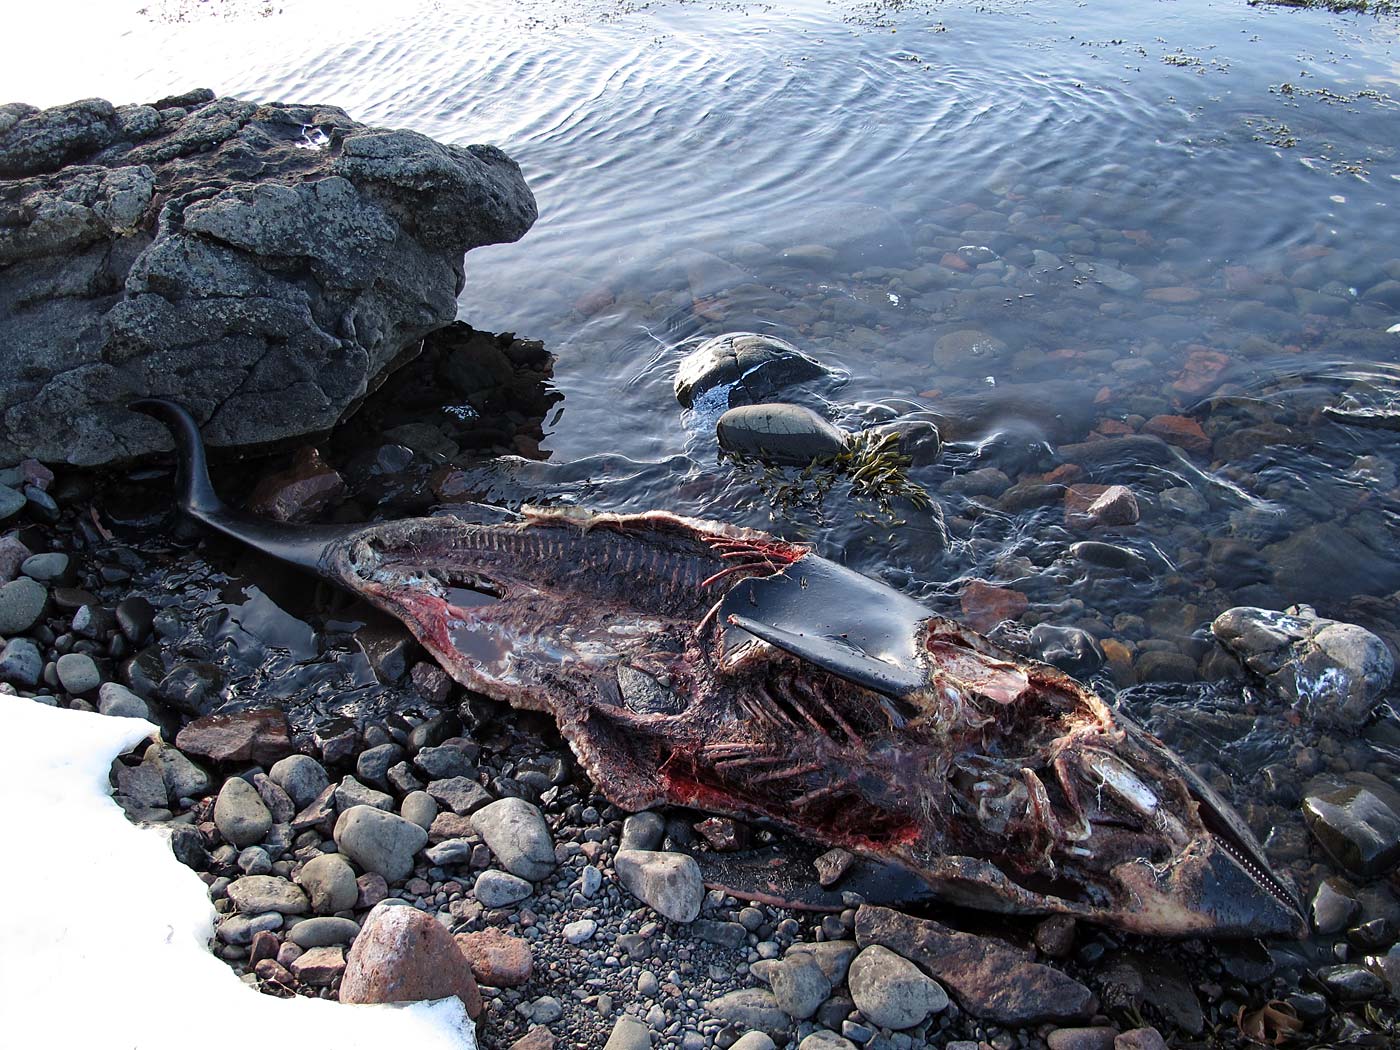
x=104 y=935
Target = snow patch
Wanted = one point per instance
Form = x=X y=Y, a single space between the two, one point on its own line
x=107 y=935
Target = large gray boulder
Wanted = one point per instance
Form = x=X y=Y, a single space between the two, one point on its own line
x=262 y=264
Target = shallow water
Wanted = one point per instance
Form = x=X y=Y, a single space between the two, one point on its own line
x=1174 y=209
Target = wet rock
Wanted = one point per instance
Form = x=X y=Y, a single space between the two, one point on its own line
x=1335 y=672
x=1093 y=506
x=240 y=814
x=192 y=687
x=516 y=833
x=891 y=991
x=135 y=618
x=497 y=959
x=1152 y=983
x=1326 y=562
x=496 y=889
x=779 y=434
x=990 y=979
x=1357 y=828
x=750 y=365
x=208 y=312
x=750 y=1008
x=985 y=605
x=405 y=955
x=1180 y=431
x=669 y=882
x=724 y=834
x=329 y=882
x=301 y=777
x=299 y=493
x=256 y=894
x=967 y=350
x=259 y=736
x=915 y=438
x=22 y=602
x=1333 y=906
x=799 y=986
x=378 y=841
x=1351 y=983
x=183 y=778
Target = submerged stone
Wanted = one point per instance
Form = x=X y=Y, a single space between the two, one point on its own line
x=752 y=366
x=780 y=434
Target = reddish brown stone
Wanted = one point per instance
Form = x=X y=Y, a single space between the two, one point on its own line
x=537 y=1038
x=319 y=814
x=954 y=261
x=1054 y=936
x=373 y=889
x=448 y=825
x=595 y=301
x=264 y=946
x=259 y=736
x=1113 y=428
x=1174 y=294
x=404 y=955
x=497 y=959
x=319 y=967
x=1063 y=474
x=1089 y=505
x=1180 y=431
x=273 y=972
x=984 y=606
x=991 y=979
x=1243 y=279
x=724 y=834
x=1202 y=372
x=300 y=492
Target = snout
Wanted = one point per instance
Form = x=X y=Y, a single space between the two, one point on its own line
x=1208 y=891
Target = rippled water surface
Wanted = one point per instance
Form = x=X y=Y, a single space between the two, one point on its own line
x=1047 y=226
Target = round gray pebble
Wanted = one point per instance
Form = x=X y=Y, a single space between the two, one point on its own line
x=21 y=604
x=78 y=673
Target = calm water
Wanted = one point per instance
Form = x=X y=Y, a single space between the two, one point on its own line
x=1181 y=209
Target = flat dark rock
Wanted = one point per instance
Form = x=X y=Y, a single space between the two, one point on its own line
x=991 y=979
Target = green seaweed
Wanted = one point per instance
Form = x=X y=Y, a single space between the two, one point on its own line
x=872 y=466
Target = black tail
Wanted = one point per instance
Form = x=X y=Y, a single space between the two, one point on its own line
x=302 y=546
x=194 y=490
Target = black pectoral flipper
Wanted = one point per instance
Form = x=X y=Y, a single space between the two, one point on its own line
x=846 y=623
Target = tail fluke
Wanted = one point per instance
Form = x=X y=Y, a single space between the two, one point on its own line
x=299 y=545
x=194 y=490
